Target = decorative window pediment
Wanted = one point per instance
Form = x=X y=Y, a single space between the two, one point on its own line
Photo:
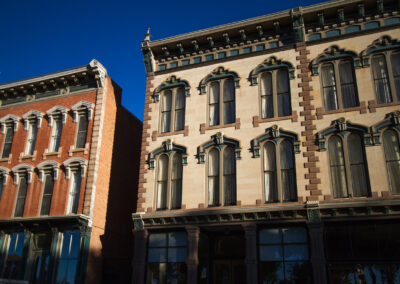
x=270 y=64
x=23 y=169
x=82 y=106
x=167 y=147
x=72 y=163
x=392 y=119
x=171 y=82
x=57 y=111
x=48 y=166
x=343 y=128
x=4 y=172
x=218 y=73
x=274 y=133
x=9 y=119
x=383 y=43
x=32 y=115
x=219 y=140
x=333 y=53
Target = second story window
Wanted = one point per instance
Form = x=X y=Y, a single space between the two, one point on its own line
x=392 y=155
x=21 y=195
x=221 y=102
x=31 y=138
x=75 y=171
x=173 y=110
x=8 y=140
x=82 y=130
x=48 y=173
x=55 y=137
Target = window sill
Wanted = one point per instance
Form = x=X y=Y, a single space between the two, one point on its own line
x=156 y=134
x=320 y=112
x=23 y=157
x=203 y=126
x=257 y=120
x=330 y=198
x=50 y=154
x=73 y=150
x=373 y=105
x=6 y=160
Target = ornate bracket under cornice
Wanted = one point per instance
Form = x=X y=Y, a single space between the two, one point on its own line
x=343 y=127
x=270 y=64
x=392 y=119
x=274 y=133
x=333 y=53
x=219 y=140
x=218 y=73
x=171 y=82
x=167 y=147
x=381 y=44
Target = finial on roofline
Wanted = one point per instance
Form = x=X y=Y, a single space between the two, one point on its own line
x=147 y=35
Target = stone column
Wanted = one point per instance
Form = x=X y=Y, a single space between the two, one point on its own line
x=192 y=260
x=317 y=257
x=250 y=233
x=139 y=256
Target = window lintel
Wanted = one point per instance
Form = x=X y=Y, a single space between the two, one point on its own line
x=171 y=82
x=48 y=166
x=271 y=63
x=75 y=162
x=218 y=140
x=219 y=73
x=32 y=115
x=384 y=43
x=392 y=119
x=57 y=110
x=82 y=106
x=334 y=53
x=5 y=172
x=21 y=169
x=167 y=147
x=9 y=119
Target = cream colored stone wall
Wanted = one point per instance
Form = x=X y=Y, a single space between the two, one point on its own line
x=249 y=169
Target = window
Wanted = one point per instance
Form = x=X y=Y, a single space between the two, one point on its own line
x=185 y=62
x=67 y=265
x=348 y=168
x=162 y=67
x=352 y=29
x=371 y=25
x=314 y=37
x=333 y=33
x=283 y=254
x=387 y=84
x=169 y=184
x=339 y=85
x=82 y=130
x=209 y=57
x=392 y=155
x=246 y=50
x=173 y=109
x=275 y=93
x=273 y=44
x=197 y=60
x=234 y=52
x=8 y=139
x=260 y=47
x=21 y=195
x=31 y=139
x=221 y=102
x=221 y=55
x=74 y=190
x=47 y=193
x=13 y=267
x=166 y=258
x=56 y=131
x=173 y=65
x=279 y=171
x=2 y=183
x=392 y=21
x=221 y=176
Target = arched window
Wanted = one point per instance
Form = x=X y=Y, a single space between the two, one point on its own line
x=348 y=166
x=75 y=171
x=82 y=114
x=9 y=125
x=221 y=176
x=48 y=173
x=32 y=122
x=162 y=182
x=221 y=102
x=22 y=177
x=57 y=117
x=173 y=109
x=392 y=155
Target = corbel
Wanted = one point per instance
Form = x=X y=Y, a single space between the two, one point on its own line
x=260 y=31
x=242 y=35
x=340 y=12
x=379 y=6
x=165 y=50
x=321 y=19
x=361 y=10
x=195 y=45
x=276 y=26
x=226 y=38
x=210 y=42
x=180 y=48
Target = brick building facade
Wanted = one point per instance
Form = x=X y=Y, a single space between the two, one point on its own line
x=270 y=150
x=63 y=178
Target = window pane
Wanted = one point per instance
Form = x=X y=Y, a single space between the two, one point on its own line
x=267 y=107
x=282 y=82
x=295 y=252
x=75 y=187
x=329 y=87
x=31 y=138
x=229 y=176
x=177 y=254
x=82 y=130
x=214 y=104
x=55 y=135
x=229 y=101
x=166 y=111
x=348 y=86
x=22 y=189
x=287 y=171
x=213 y=177
x=272 y=272
x=8 y=142
x=176 y=182
x=395 y=60
x=338 y=174
x=270 y=236
x=381 y=79
x=158 y=240
x=294 y=235
x=298 y=272
x=357 y=166
x=392 y=155
x=271 y=253
x=47 y=194
x=180 y=109
x=162 y=181
x=270 y=187
x=176 y=239
x=14 y=260
x=157 y=255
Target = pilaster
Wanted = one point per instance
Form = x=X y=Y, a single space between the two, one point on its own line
x=192 y=261
x=139 y=256
x=250 y=233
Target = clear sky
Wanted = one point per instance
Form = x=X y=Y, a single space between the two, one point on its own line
x=44 y=36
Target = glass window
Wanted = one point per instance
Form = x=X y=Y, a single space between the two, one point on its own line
x=176 y=181
x=227 y=107
x=352 y=29
x=14 y=259
x=82 y=130
x=381 y=79
x=213 y=177
x=333 y=33
x=180 y=100
x=260 y=47
x=8 y=139
x=214 y=104
x=392 y=21
x=21 y=196
x=314 y=37
x=229 y=165
x=197 y=60
x=47 y=194
x=267 y=105
x=229 y=101
x=173 y=65
x=162 y=182
x=185 y=62
x=166 y=111
x=173 y=118
x=348 y=84
x=74 y=191
x=338 y=171
x=371 y=25
x=283 y=254
x=166 y=258
x=209 y=57
x=273 y=44
x=246 y=50
x=31 y=139
x=288 y=177
x=234 y=52
x=395 y=60
x=392 y=155
x=2 y=179
x=329 y=87
x=270 y=179
x=56 y=131
x=221 y=55
x=162 y=67
x=67 y=265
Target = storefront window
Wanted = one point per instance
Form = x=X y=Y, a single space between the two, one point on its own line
x=14 y=260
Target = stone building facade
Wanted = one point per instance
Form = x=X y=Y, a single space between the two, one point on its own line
x=270 y=150
x=63 y=168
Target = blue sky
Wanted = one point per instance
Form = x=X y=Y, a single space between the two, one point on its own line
x=44 y=36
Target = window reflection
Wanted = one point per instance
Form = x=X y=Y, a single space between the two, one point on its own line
x=68 y=261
